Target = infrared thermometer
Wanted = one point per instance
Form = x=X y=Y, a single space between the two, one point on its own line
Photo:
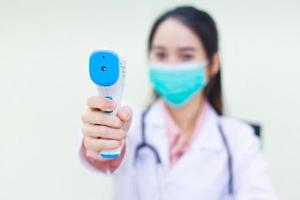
x=107 y=72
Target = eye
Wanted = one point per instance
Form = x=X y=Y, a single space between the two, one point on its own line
x=186 y=57
x=160 y=55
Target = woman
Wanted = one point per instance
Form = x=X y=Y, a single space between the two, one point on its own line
x=181 y=147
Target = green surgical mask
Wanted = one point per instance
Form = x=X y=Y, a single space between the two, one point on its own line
x=177 y=83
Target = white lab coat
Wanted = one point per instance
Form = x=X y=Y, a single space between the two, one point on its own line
x=202 y=172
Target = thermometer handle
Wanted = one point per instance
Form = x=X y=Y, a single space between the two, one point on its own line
x=113 y=92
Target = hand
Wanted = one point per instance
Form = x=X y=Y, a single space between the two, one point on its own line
x=102 y=131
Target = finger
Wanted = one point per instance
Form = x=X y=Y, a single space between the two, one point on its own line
x=98 y=145
x=104 y=132
x=100 y=103
x=125 y=113
x=99 y=118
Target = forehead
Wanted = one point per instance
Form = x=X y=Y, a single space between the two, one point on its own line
x=172 y=33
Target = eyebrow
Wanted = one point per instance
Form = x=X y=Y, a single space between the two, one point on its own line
x=159 y=47
x=187 y=49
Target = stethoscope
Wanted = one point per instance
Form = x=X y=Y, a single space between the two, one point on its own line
x=145 y=145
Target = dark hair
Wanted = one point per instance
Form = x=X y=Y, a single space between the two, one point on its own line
x=202 y=24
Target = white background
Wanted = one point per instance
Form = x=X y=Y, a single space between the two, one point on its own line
x=44 y=50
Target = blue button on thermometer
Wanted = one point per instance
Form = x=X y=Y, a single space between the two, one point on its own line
x=108 y=73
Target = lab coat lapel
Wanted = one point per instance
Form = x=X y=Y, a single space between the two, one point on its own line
x=156 y=132
x=207 y=141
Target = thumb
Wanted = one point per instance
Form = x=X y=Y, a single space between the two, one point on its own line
x=125 y=115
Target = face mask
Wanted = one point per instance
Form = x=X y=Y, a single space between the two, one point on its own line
x=177 y=83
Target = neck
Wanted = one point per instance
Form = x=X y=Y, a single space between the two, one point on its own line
x=185 y=117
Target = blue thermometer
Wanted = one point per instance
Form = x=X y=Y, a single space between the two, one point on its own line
x=108 y=74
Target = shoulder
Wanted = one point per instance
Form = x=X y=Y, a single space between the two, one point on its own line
x=237 y=126
x=240 y=134
x=245 y=146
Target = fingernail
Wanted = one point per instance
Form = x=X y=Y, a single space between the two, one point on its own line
x=126 y=112
x=110 y=104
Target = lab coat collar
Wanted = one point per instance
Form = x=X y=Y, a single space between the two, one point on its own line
x=208 y=140
x=155 y=115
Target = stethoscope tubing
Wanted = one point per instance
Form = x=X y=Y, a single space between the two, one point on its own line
x=145 y=144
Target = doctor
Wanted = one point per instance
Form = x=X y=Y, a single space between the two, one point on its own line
x=181 y=146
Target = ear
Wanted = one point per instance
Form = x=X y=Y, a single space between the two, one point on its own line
x=215 y=64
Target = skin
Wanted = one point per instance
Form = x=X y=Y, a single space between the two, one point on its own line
x=102 y=131
x=173 y=42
